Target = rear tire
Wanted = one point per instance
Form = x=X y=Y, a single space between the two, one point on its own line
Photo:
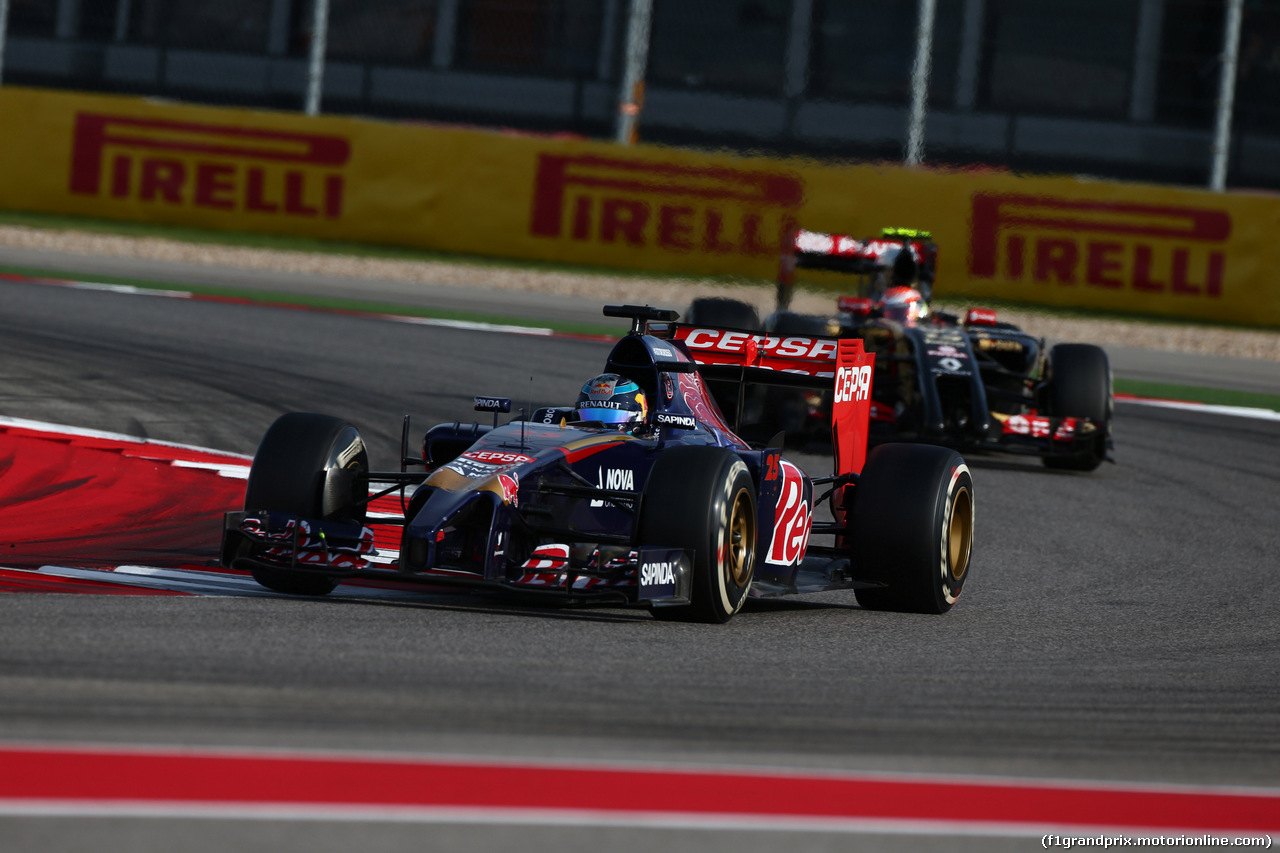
x=788 y=409
x=312 y=466
x=912 y=528
x=1080 y=386
x=722 y=311
x=703 y=499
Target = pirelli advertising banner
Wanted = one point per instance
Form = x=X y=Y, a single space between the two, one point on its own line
x=1057 y=241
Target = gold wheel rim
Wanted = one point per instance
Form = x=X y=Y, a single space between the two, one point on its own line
x=742 y=540
x=960 y=536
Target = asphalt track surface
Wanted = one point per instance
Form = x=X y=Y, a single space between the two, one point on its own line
x=1118 y=626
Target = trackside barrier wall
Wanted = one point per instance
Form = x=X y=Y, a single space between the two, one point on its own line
x=1054 y=241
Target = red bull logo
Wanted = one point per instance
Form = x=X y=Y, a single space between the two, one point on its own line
x=791 y=522
x=603 y=388
x=510 y=488
x=710 y=209
x=1148 y=248
x=210 y=166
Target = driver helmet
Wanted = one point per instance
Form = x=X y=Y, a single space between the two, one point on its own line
x=612 y=399
x=905 y=305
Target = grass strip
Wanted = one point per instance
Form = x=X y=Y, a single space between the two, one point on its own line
x=326 y=303
x=1193 y=394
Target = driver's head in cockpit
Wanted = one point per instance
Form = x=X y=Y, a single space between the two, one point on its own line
x=612 y=400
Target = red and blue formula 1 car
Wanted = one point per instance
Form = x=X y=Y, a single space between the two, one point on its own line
x=678 y=514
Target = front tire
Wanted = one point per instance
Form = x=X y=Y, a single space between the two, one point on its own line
x=912 y=528
x=1080 y=386
x=703 y=499
x=313 y=466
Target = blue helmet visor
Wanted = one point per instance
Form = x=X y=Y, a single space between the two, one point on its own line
x=606 y=416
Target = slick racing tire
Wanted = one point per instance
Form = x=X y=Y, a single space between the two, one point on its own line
x=788 y=409
x=912 y=528
x=312 y=466
x=722 y=311
x=702 y=499
x=1080 y=386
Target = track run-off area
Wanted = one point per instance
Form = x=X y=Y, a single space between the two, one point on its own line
x=1111 y=669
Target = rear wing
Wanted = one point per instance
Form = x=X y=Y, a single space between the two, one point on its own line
x=827 y=364
x=844 y=254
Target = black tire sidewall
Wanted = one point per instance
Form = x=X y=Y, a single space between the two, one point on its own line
x=1080 y=382
x=308 y=465
x=1080 y=386
x=687 y=504
x=901 y=527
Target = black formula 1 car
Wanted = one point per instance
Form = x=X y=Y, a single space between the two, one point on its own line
x=680 y=515
x=974 y=383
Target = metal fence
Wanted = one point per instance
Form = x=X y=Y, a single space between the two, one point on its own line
x=1180 y=91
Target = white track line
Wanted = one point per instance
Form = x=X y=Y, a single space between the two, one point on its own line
x=1231 y=411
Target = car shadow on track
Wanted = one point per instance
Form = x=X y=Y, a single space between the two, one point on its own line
x=1026 y=466
x=496 y=607
x=793 y=605
x=604 y=614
